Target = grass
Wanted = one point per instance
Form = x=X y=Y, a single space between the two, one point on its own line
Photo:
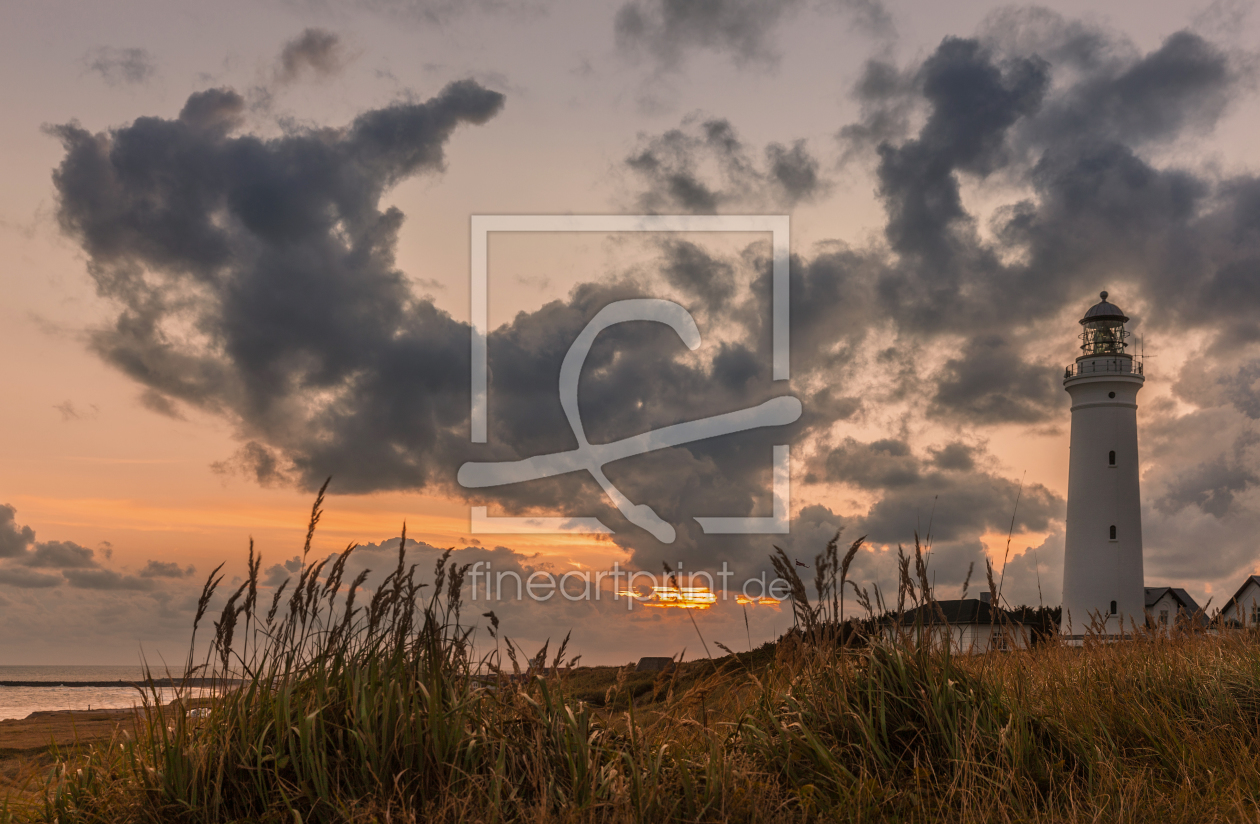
x=357 y=708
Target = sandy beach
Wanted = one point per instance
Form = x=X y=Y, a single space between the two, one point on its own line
x=26 y=745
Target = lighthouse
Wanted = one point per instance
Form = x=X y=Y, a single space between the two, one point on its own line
x=1102 y=561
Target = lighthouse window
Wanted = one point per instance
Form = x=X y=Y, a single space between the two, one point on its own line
x=1111 y=394
x=1111 y=458
x=1113 y=532
x=1113 y=607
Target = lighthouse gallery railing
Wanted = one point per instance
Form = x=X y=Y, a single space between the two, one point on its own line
x=1092 y=366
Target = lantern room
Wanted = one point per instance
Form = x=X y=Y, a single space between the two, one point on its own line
x=1104 y=333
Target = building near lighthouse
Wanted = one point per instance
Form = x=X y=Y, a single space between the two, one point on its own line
x=1102 y=564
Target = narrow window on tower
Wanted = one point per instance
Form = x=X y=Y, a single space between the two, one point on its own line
x=1111 y=458
x=1113 y=532
x=1113 y=608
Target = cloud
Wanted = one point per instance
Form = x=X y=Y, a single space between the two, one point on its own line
x=444 y=12
x=303 y=295
x=13 y=539
x=25 y=578
x=59 y=555
x=969 y=388
x=704 y=168
x=119 y=67
x=315 y=51
x=25 y=559
x=106 y=579
x=166 y=569
x=257 y=462
x=107 y=615
x=20 y=549
x=70 y=412
x=951 y=487
x=955 y=320
x=275 y=574
x=666 y=31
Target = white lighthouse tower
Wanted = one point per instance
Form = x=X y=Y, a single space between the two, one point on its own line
x=1102 y=563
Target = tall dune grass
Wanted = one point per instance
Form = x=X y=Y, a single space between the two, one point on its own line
x=352 y=708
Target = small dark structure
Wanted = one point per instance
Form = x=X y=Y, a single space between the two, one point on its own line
x=651 y=664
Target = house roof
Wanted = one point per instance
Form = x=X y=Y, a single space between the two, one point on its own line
x=1251 y=579
x=1183 y=599
x=961 y=611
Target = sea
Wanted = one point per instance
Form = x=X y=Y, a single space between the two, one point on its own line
x=57 y=689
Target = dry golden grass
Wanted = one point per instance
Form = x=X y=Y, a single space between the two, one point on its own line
x=378 y=713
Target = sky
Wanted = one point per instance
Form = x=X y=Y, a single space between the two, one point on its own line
x=236 y=262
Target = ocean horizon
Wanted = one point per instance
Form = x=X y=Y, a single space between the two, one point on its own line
x=53 y=694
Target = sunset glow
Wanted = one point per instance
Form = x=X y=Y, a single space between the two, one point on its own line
x=763 y=601
x=682 y=597
x=674 y=597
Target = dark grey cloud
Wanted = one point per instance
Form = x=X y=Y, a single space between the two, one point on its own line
x=119 y=67
x=959 y=495
x=667 y=31
x=275 y=574
x=636 y=380
x=1096 y=206
x=29 y=564
x=311 y=343
x=14 y=539
x=710 y=281
x=990 y=383
x=19 y=549
x=107 y=579
x=59 y=555
x=704 y=168
x=315 y=51
x=277 y=253
x=166 y=569
x=445 y=12
x=973 y=101
x=1215 y=483
x=1183 y=86
x=28 y=578
x=1243 y=388
x=256 y=462
x=1210 y=486
x=887 y=96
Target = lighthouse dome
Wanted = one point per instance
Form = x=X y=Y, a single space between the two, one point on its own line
x=1104 y=333
x=1104 y=311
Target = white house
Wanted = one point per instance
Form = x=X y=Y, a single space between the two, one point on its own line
x=1170 y=608
x=1244 y=607
x=968 y=626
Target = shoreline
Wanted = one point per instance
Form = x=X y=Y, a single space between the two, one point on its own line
x=156 y=682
